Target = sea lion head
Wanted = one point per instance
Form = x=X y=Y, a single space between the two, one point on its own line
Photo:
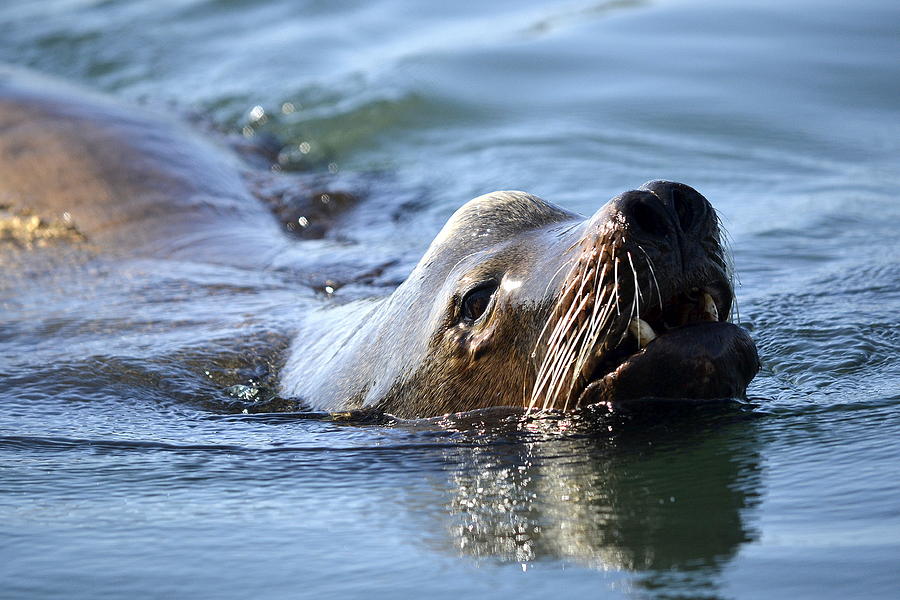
x=518 y=302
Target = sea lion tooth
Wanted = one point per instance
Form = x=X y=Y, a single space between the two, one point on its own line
x=641 y=330
x=709 y=306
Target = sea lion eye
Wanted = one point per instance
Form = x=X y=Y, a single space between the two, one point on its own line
x=477 y=300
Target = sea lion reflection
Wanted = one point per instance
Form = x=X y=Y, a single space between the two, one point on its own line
x=624 y=495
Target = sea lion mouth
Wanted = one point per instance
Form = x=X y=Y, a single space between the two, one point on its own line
x=683 y=348
x=642 y=311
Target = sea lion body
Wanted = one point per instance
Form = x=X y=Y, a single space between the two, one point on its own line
x=517 y=302
x=132 y=181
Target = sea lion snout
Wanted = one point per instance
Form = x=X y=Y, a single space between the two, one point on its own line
x=688 y=206
x=660 y=212
x=645 y=216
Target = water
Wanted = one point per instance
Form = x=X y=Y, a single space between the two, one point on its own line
x=127 y=468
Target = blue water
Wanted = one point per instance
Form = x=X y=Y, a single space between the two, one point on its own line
x=128 y=470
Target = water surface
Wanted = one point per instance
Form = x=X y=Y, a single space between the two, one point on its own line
x=127 y=468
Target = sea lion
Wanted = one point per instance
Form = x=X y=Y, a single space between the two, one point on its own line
x=517 y=302
x=131 y=181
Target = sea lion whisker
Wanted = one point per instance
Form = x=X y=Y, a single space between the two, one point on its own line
x=564 y=365
x=560 y=354
x=558 y=361
x=598 y=291
x=601 y=326
x=599 y=275
x=557 y=308
x=597 y=325
x=637 y=297
x=637 y=286
x=725 y=257
x=544 y=375
x=592 y=324
x=597 y=329
x=577 y=242
x=597 y=310
x=571 y=314
x=616 y=286
x=652 y=274
x=589 y=335
x=566 y=351
x=572 y=280
x=555 y=273
x=559 y=327
x=562 y=325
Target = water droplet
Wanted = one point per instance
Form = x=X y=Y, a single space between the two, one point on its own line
x=257 y=113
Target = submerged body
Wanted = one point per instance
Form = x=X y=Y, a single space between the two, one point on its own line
x=517 y=302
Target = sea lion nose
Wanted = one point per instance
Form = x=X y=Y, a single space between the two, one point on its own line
x=688 y=205
x=645 y=214
x=660 y=209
